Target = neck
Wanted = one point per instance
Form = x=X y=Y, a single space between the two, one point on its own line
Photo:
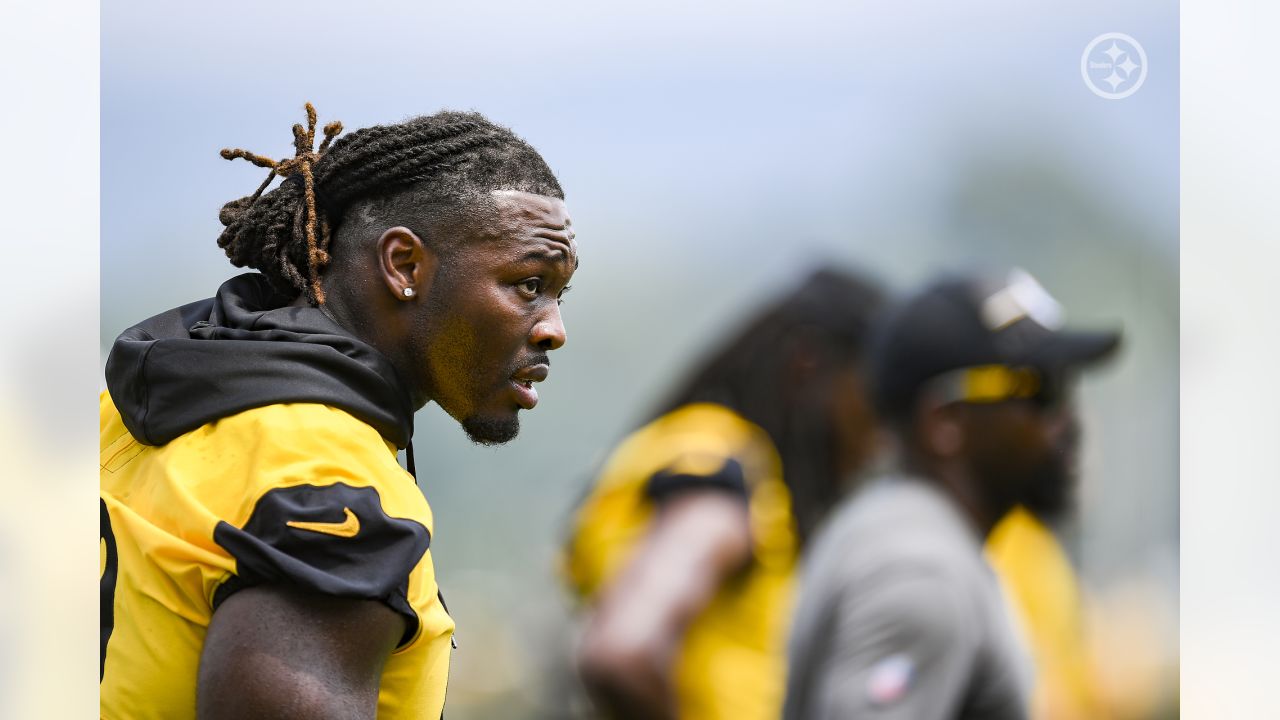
x=355 y=317
x=961 y=486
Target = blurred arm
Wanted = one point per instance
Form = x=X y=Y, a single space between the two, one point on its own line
x=698 y=540
x=275 y=653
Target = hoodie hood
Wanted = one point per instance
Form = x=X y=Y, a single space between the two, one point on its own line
x=245 y=348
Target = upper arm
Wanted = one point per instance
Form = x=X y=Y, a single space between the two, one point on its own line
x=897 y=648
x=273 y=652
x=696 y=541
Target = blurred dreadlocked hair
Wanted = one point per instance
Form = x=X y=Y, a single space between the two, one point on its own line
x=829 y=315
x=446 y=158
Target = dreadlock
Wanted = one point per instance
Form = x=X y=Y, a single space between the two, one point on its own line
x=446 y=158
x=830 y=315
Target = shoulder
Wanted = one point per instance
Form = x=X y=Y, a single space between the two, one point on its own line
x=694 y=440
x=320 y=504
x=696 y=447
x=900 y=515
x=916 y=601
x=703 y=428
x=897 y=608
x=301 y=442
x=245 y=464
x=888 y=531
x=302 y=424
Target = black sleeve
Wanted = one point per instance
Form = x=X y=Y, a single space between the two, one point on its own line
x=328 y=539
x=727 y=478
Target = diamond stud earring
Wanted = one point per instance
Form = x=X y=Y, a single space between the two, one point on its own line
x=408 y=292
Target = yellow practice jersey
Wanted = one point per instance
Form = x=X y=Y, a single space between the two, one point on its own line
x=293 y=494
x=731 y=663
x=1045 y=595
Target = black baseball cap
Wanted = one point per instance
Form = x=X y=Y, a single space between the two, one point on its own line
x=965 y=322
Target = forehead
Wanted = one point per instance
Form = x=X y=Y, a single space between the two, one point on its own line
x=519 y=220
x=521 y=208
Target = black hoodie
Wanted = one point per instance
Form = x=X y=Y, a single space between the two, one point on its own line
x=246 y=348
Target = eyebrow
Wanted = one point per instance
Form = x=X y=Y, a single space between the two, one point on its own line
x=552 y=255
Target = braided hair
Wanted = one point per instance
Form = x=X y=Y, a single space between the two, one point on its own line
x=831 y=314
x=447 y=158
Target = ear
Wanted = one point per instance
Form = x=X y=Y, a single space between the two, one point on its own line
x=940 y=430
x=406 y=263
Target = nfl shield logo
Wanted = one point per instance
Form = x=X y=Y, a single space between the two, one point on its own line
x=890 y=679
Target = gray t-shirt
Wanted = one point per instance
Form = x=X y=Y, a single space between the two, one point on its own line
x=899 y=616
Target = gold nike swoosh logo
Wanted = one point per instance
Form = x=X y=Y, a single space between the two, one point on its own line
x=345 y=529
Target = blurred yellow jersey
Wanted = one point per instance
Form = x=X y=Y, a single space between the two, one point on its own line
x=1042 y=588
x=297 y=494
x=731 y=664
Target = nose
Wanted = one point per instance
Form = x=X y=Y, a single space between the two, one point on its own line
x=548 y=333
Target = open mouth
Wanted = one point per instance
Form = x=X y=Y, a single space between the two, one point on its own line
x=526 y=396
x=522 y=382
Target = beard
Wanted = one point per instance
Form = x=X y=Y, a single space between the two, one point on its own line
x=491 y=431
x=1044 y=488
x=1050 y=495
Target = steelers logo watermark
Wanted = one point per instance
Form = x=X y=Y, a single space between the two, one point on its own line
x=1114 y=66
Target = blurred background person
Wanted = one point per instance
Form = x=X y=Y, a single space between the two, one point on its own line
x=685 y=548
x=899 y=615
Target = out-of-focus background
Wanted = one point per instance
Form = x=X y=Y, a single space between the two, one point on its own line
x=710 y=153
